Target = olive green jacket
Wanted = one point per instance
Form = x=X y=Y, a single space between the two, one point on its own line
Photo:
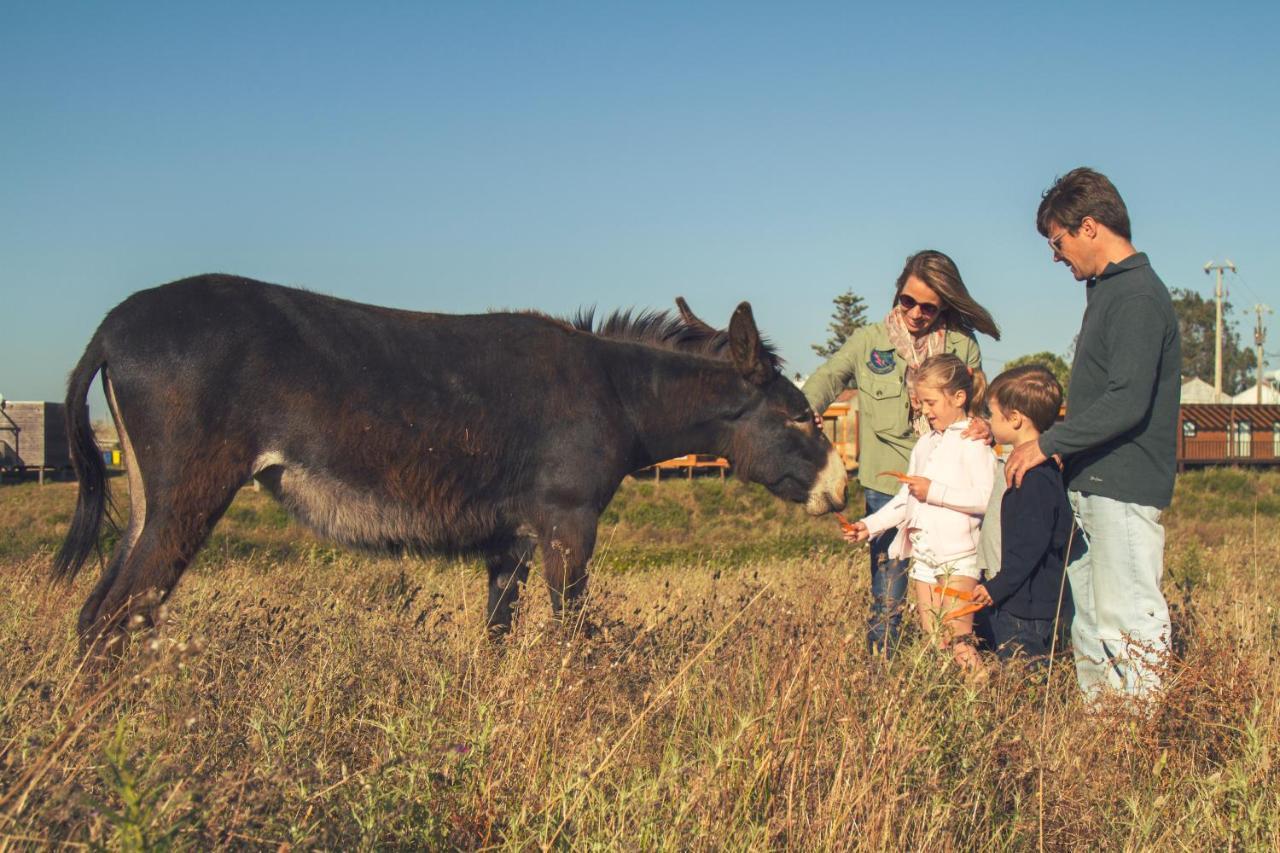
x=868 y=362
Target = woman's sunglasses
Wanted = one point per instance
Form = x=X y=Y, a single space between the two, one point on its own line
x=928 y=310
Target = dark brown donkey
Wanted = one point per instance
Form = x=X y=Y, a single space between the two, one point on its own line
x=381 y=428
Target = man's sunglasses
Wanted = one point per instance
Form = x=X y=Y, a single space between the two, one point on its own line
x=1055 y=244
x=927 y=309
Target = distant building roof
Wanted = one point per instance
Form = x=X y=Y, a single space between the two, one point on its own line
x=1196 y=390
x=1223 y=416
x=1250 y=395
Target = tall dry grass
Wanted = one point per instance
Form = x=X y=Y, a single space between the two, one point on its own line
x=299 y=695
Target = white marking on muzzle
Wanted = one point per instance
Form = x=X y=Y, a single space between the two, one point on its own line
x=827 y=493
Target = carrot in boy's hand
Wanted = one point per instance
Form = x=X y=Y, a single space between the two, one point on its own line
x=964 y=595
x=952 y=592
x=963 y=610
x=897 y=475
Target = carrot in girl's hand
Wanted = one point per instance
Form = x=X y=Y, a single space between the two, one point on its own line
x=897 y=475
x=845 y=524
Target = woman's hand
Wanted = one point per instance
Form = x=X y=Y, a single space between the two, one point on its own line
x=857 y=532
x=981 y=596
x=918 y=487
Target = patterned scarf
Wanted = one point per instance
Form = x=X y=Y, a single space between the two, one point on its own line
x=913 y=351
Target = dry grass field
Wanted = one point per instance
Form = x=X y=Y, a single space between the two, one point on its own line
x=304 y=696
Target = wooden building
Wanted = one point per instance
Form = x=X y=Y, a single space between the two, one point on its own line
x=840 y=425
x=1228 y=434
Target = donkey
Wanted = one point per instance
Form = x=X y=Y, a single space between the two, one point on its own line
x=380 y=428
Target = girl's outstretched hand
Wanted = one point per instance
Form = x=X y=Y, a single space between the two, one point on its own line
x=856 y=532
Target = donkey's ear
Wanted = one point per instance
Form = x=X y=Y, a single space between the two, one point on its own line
x=693 y=321
x=749 y=355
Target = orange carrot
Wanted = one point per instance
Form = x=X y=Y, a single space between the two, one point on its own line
x=963 y=611
x=963 y=595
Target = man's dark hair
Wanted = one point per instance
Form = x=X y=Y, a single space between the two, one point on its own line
x=1030 y=389
x=1079 y=193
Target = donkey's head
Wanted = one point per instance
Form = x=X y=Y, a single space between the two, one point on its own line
x=772 y=438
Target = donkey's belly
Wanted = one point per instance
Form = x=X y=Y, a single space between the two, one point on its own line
x=353 y=516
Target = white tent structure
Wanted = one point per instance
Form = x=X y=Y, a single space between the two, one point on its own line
x=1270 y=396
x=1196 y=390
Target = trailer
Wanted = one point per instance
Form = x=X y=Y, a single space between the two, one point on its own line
x=33 y=439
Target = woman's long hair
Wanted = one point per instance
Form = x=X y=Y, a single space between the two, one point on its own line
x=959 y=310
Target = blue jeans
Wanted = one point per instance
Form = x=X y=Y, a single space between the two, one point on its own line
x=888 y=585
x=1121 y=626
x=1013 y=636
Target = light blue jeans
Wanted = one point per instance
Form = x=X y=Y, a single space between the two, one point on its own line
x=1121 y=626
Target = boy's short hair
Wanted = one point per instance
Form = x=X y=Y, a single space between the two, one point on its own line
x=1031 y=389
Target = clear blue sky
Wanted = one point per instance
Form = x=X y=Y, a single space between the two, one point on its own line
x=465 y=156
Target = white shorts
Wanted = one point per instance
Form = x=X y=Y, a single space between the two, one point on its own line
x=925 y=570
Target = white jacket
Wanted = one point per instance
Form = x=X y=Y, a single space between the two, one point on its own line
x=961 y=472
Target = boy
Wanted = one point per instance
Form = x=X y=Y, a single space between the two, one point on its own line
x=1035 y=520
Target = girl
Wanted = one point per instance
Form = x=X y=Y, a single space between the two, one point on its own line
x=938 y=510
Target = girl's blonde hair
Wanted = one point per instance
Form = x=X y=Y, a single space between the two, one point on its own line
x=948 y=372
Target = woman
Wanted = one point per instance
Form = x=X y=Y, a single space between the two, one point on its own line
x=932 y=313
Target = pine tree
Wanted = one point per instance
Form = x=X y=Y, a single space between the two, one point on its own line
x=848 y=315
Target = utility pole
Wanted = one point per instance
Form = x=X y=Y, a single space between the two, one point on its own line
x=1259 y=338
x=1217 y=337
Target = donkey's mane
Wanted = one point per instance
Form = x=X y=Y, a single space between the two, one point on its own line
x=662 y=329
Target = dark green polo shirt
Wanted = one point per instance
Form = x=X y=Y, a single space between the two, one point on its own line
x=1119 y=439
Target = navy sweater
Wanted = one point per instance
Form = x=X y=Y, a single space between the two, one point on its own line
x=1035 y=522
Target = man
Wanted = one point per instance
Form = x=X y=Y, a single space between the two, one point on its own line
x=1119 y=438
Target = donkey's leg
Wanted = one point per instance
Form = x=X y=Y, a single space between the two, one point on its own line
x=508 y=570
x=137 y=513
x=89 y=612
x=178 y=519
x=566 y=547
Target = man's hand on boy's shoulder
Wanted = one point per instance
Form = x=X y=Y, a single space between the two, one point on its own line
x=1023 y=458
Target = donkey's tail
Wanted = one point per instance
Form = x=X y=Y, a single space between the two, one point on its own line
x=93 y=500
